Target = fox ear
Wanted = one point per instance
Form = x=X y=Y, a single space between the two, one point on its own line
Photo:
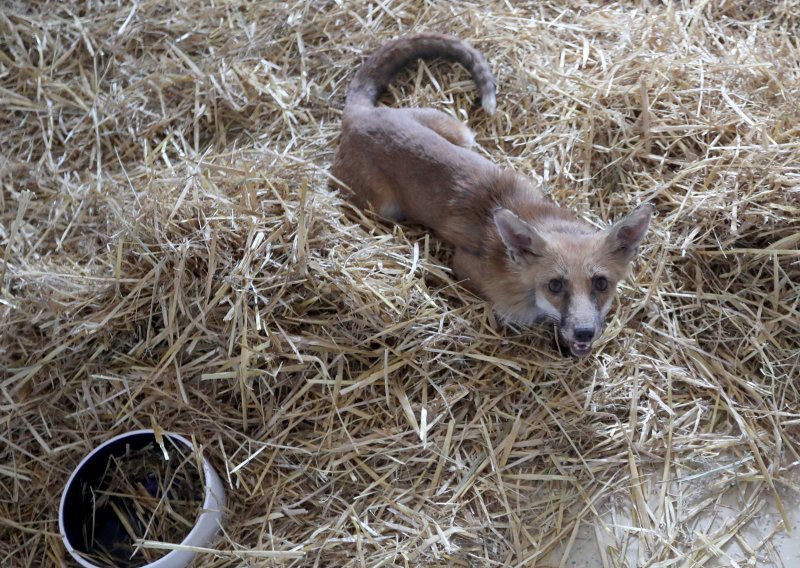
x=625 y=235
x=519 y=237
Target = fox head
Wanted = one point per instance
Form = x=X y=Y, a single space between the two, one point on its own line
x=566 y=272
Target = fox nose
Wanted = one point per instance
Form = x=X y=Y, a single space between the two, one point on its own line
x=584 y=334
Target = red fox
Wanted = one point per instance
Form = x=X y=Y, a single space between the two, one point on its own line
x=533 y=260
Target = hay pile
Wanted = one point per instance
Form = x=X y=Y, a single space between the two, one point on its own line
x=171 y=255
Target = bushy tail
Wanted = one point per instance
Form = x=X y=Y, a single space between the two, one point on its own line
x=376 y=72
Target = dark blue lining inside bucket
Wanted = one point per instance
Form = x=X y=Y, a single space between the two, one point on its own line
x=78 y=501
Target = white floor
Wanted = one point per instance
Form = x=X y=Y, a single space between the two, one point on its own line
x=718 y=538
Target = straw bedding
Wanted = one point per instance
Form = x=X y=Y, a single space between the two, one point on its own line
x=171 y=256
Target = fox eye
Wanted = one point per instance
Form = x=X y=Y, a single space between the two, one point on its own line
x=600 y=283
x=556 y=285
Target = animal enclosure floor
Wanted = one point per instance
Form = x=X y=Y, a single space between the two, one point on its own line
x=171 y=256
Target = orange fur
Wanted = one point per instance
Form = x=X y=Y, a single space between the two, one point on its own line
x=532 y=259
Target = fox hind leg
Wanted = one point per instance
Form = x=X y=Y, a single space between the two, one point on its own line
x=444 y=125
x=383 y=201
x=370 y=191
x=391 y=210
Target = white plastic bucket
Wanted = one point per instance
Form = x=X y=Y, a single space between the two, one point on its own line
x=72 y=508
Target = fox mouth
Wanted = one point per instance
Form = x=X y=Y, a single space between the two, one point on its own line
x=580 y=349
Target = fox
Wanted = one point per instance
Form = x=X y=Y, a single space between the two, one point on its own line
x=531 y=259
